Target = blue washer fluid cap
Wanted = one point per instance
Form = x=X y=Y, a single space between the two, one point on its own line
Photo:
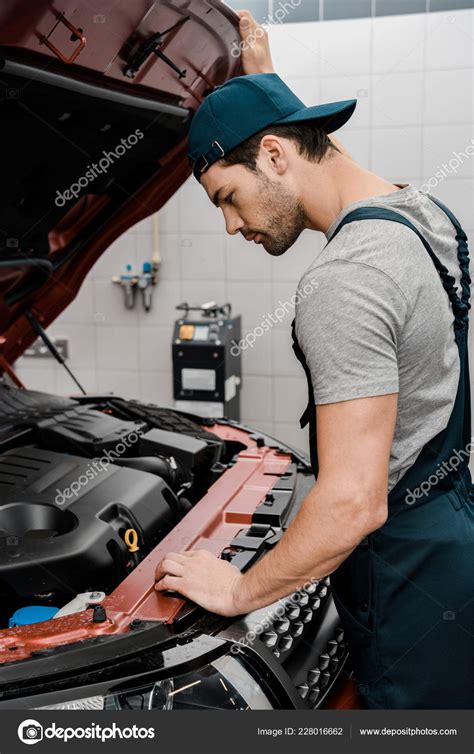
x=146 y=267
x=31 y=614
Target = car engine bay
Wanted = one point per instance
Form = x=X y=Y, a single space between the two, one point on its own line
x=93 y=488
x=88 y=488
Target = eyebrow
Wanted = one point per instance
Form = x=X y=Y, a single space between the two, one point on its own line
x=216 y=198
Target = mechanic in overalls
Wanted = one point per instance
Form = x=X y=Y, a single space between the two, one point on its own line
x=380 y=329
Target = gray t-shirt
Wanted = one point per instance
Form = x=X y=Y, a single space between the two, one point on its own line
x=372 y=318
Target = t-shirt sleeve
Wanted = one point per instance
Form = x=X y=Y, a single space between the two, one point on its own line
x=348 y=320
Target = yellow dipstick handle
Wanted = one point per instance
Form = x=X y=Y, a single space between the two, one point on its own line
x=131 y=539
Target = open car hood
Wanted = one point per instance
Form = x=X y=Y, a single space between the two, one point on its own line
x=94 y=134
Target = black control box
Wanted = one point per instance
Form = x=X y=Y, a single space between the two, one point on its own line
x=207 y=373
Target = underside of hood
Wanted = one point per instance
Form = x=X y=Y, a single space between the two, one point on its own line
x=95 y=109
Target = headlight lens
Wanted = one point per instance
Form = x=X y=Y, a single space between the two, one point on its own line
x=223 y=684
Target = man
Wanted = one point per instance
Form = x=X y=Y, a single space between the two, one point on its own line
x=382 y=336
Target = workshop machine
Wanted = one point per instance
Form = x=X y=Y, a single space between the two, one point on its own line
x=207 y=375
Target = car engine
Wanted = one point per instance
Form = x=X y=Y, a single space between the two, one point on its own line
x=88 y=487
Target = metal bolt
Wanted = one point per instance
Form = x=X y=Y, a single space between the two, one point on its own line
x=99 y=614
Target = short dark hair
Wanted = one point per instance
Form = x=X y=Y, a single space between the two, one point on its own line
x=311 y=141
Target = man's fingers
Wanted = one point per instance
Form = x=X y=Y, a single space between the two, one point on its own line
x=172 y=563
x=168 y=582
x=247 y=21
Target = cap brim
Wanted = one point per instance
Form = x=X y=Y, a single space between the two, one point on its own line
x=329 y=116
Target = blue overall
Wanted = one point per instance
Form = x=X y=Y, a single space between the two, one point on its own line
x=405 y=595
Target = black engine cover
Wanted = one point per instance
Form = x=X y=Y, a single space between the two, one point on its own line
x=63 y=519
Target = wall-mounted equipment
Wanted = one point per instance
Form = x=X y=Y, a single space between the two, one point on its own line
x=206 y=374
x=143 y=282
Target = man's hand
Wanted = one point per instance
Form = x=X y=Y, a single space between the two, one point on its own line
x=203 y=578
x=348 y=501
x=256 y=56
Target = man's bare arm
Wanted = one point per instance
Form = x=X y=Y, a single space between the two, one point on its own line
x=348 y=501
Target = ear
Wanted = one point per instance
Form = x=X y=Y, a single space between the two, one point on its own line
x=274 y=152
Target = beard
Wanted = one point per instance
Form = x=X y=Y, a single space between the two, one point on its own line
x=282 y=217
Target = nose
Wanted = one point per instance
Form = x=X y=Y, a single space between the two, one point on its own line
x=233 y=222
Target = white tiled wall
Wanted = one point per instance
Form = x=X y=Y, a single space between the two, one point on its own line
x=413 y=77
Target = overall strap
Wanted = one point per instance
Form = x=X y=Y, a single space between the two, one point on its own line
x=463 y=251
x=461 y=305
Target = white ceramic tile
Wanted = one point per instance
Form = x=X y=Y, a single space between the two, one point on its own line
x=168 y=215
x=124 y=384
x=264 y=427
x=458 y=195
x=199 y=292
x=142 y=226
x=246 y=260
x=399 y=43
x=346 y=46
x=397 y=99
x=157 y=387
x=256 y=399
x=109 y=306
x=81 y=309
x=284 y=361
x=202 y=256
x=306 y=88
x=117 y=349
x=282 y=303
x=251 y=300
x=295 y=50
x=290 y=397
x=396 y=152
x=449 y=97
x=197 y=213
x=155 y=349
x=40 y=378
x=447 y=149
x=357 y=143
x=292 y=434
x=168 y=247
x=115 y=259
x=257 y=354
x=351 y=86
x=167 y=295
x=143 y=249
x=449 y=41
x=81 y=343
x=66 y=386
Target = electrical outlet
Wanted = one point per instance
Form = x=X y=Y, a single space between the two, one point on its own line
x=38 y=350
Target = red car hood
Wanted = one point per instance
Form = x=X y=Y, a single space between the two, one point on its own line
x=94 y=140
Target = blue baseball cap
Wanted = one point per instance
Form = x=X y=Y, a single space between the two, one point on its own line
x=239 y=108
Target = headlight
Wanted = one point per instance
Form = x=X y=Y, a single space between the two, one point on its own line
x=223 y=684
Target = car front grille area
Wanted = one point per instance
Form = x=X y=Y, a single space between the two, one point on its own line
x=301 y=609
x=307 y=637
x=321 y=677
